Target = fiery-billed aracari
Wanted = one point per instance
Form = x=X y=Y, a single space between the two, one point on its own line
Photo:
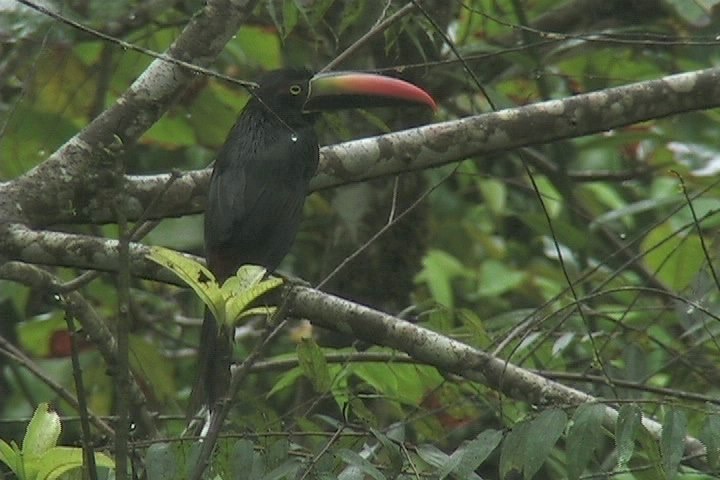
x=260 y=181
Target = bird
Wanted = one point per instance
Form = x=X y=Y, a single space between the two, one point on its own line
x=260 y=180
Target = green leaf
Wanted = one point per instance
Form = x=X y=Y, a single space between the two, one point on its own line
x=42 y=432
x=245 y=287
x=432 y=455
x=284 y=471
x=551 y=197
x=626 y=428
x=392 y=450
x=464 y=461
x=277 y=453
x=629 y=211
x=170 y=132
x=651 y=450
x=356 y=461
x=195 y=275
x=161 y=462
x=710 y=437
x=10 y=455
x=497 y=278
x=676 y=258
x=351 y=15
x=542 y=434
x=691 y=12
x=290 y=17
x=59 y=460
x=672 y=441
x=286 y=380
x=494 y=193
x=439 y=270
x=242 y=458
x=147 y=359
x=514 y=447
x=257 y=46
x=313 y=364
x=356 y=409
x=584 y=437
x=266 y=312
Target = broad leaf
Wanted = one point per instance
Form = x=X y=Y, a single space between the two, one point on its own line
x=10 y=455
x=60 y=460
x=195 y=275
x=464 y=461
x=42 y=432
x=542 y=434
x=710 y=437
x=313 y=364
x=359 y=463
x=584 y=437
x=672 y=442
x=626 y=427
x=244 y=288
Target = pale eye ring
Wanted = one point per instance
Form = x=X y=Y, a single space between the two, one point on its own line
x=295 y=89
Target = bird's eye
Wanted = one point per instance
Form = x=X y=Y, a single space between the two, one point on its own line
x=295 y=89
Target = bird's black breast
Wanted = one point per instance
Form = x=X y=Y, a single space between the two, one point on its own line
x=257 y=191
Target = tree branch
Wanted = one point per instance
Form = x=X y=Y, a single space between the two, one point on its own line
x=72 y=176
x=419 y=148
x=79 y=308
x=449 y=355
x=18 y=242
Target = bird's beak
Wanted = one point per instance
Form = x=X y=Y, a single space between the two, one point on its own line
x=338 y=90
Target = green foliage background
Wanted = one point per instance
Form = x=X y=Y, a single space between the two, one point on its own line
x=475 y=260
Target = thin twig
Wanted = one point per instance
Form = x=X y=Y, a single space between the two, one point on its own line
x=379 y=27
x=699 y=230
x=322 y=451
x=122 y=370
x=88 y=452
x=392 y=221
x=131 y=46
x=17 y=356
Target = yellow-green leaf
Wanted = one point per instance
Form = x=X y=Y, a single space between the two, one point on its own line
x=60 y=460
x=42 y=432
x=243 y=289
x=313 y=364
x=677 y=259
x=199 y=278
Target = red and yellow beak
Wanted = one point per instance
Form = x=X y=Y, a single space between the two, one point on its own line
x=338 y=90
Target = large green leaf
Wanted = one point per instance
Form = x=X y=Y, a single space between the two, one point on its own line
x=542 y=434
x=584 y=437
x=710 y=436
x=196 y=276
x=626 y=427
x=313 y=364
x=243 y=289
x=465 y=460
x=672 y=442
x=42 y=432
x=439 y=270
x=677 y=259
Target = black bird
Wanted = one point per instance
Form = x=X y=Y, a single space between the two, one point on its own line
x=260 y=181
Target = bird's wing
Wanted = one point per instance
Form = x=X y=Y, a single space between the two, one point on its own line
x=255 y=202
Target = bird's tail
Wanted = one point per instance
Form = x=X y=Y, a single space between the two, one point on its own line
x=215 y=356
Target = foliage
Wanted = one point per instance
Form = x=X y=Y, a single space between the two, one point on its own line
x=40 y=458
x=592 y=260
x=230 y=302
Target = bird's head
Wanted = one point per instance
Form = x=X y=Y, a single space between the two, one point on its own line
x=300 y=89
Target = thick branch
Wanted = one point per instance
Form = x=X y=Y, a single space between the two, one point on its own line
x=79 y=308
x=70 y=178
x=20 y=243
x=434 y=145
x=449 y=355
